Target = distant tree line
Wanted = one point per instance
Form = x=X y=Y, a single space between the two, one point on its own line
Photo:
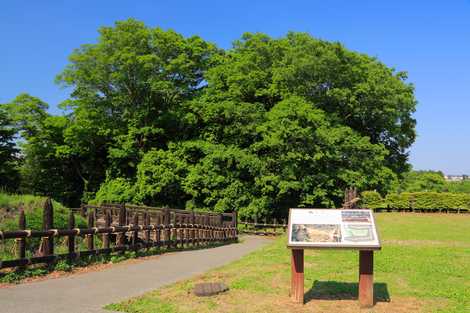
x=160 y=119
x=421 y=190
x=430 y=181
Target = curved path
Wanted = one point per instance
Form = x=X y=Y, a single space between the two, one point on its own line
x=89 y=292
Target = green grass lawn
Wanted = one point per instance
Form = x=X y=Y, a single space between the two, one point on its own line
x=424 y=266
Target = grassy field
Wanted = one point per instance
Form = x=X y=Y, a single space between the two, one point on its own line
x=424 y=266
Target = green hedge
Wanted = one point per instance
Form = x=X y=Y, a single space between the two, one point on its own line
x=416 y=200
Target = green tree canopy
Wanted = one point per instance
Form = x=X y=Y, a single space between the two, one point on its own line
x=269 y=124
x=354 y=89
x=128 y=91
x=416 y=181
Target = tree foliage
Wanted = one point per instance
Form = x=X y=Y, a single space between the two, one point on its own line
x=415 y=181
x=352 y=88
x=44 y=170
x=269 y=124
x=128 y=91
x=9 y=158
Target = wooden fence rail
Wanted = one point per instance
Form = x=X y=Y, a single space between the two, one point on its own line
x=159 y=215
x=264 y=229
x=134 y=229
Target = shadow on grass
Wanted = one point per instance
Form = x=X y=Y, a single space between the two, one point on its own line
x=333 y=290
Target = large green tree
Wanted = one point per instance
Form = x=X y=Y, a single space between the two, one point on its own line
x=161 y=119
x=354 y=89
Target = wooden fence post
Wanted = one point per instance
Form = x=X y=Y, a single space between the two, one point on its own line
x=71 y=238
x=220 y=235
x=207 y=221
x=167 y=219
x=121 y=237
x=201 y=229
x=177 y=231
x=204 y=229
x=135 y=235
x=183 y=230
x=209 y=228
x=158 y=230
x=48 y=223
x=174 y=230
x=197 y=233
x=193 y=229
x=186 y=233
x=108 y=220
x=21 y=252
x=146 y=224
x=90 y=238
x=235 y=219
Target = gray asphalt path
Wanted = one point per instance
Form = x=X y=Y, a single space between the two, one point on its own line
x=89 y=292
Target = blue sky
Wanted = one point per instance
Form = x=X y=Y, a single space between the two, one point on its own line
x=428 y=39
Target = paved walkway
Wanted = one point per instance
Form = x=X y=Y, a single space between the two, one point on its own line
x=89 y=292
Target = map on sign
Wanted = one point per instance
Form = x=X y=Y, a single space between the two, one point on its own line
x=331 y=228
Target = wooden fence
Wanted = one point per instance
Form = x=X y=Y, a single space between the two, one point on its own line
x=120 y=228
x=271 y=228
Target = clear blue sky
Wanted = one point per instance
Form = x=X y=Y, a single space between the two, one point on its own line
x=428 y=39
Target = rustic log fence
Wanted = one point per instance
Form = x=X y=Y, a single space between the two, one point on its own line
x=120 y=228
x=271 y=228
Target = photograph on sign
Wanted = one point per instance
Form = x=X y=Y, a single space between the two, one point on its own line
x=332 y=228
x=316 y=232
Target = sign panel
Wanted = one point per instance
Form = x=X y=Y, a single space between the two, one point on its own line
x=332 y=228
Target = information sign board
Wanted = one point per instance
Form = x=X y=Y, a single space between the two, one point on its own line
x=332 y=228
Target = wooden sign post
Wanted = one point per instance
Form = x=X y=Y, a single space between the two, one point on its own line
x=366 y=278
x=297 y=280
x=333 y=229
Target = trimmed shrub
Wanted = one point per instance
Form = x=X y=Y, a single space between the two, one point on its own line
x=416 y=200
x=371 y=200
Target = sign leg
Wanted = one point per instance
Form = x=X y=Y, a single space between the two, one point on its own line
x=366 y=279
x=297 y=278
